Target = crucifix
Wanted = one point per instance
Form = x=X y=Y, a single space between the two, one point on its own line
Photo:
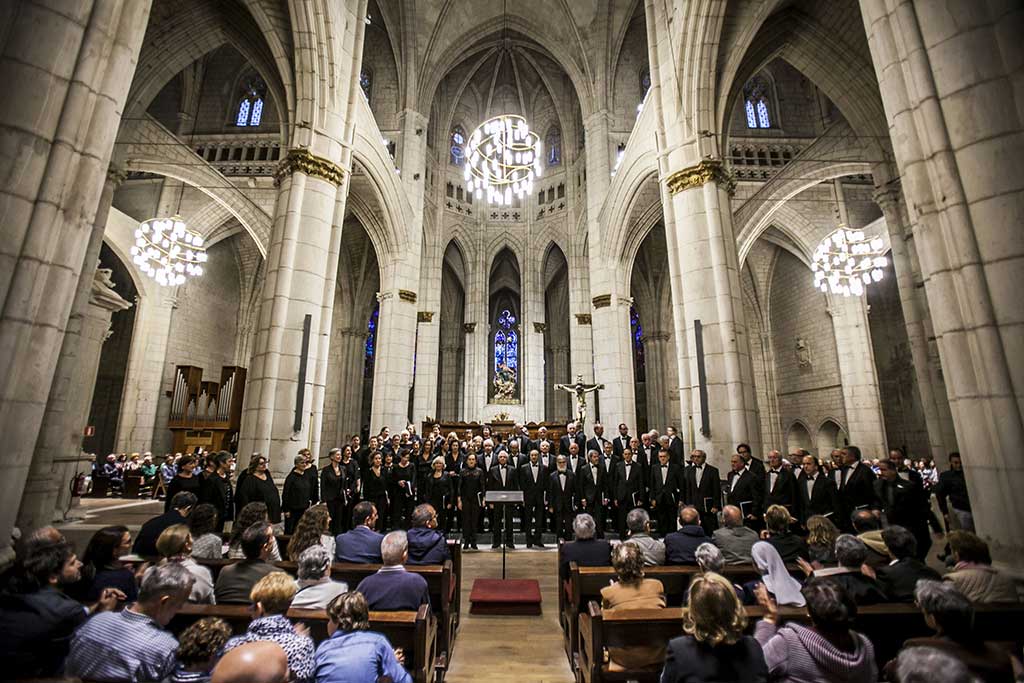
x=580 y=391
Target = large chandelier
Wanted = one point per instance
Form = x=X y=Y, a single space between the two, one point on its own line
x=167 y=251
x=846 y=261
x=503 y=159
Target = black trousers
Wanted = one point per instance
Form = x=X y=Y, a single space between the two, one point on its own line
x=336 y=508
x=533 y=520
x=401 y=510
x=563 y=522
x=665 y=515
x=292 y=519
x=595 y=508
x=470 y=520
x=501 y=516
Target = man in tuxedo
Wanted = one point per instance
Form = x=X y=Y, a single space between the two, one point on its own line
x=608 y=456
x=520 y=436
x=646 y=451
x=516 y=458
x=592 y=490
x=597 y=443
x=571 y=436
x=573 y=458
x=546 y=457
x=904 y=503
x=817 y=493
x=533 y=482
x=666 y=484
x=622 y=442
x=745 y=492
x=675 y=446
x=561 y=485
x=702 y=488
x=627 y=488
x=856 y=486
x=835 y=466
x=501 y=477
x=780 y=484
x=542 y=438
x=488 y=458
x=750 y=462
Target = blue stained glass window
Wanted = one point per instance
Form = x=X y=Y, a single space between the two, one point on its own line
x=366 y=82
x=257 y=112
x=506 y=342
x=457 y=153
x=553 y=143
x=751 y=116
x=243 y=113
x=755 y=101
x=637 y=333
x=762 y=114
x=371 y=341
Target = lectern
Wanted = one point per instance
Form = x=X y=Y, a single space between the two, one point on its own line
x=504 y=500
x=505 y=596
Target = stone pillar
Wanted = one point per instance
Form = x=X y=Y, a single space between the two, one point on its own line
x=944 y=77
x=704 y=267
x=937 y=416
x=393 y=371
x=473 y=361
x=46 y=493
x=861 y=398
x=68 y=69
x=656 y=350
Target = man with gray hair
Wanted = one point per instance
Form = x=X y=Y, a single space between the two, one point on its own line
x=734 y=539
x=929 y=665
x=132 y=645
x=709 y=558
x=851 y=554
x=639 y=524
x=586 y=551
x=316 y=587
x=393 y=588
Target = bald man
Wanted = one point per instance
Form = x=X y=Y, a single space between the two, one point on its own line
x=259 y=662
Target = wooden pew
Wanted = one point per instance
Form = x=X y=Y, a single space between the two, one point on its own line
x=414 y=632
x=886 y=625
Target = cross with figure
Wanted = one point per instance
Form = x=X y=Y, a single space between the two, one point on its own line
x=580 y=391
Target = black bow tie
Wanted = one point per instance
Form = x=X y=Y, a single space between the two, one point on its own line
x=774 y=471
x=561 y=473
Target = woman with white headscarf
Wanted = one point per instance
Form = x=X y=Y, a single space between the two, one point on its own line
x=775 y=577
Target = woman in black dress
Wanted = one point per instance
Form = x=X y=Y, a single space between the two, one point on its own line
x=375 y=486
x=424 y=464
x=352 y=484
x=332 y=490
x=258 y=487
x=184 y=480
x=403 y=495
x=471 y=492
x=439 y=493
x=452 y=455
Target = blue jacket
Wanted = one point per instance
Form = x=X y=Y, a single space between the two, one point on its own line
x=427 y=546
x=358 y=657
x=394 y=589
x=681 y=546
x=361 y=545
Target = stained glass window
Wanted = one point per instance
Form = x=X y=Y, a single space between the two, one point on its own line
x=553 y=145
x=755 y=102
x=457 y=154
x=371 y=341
x=637 y=334
x=762 y=114
x=250 y=106
x=506 y=342
x=257 y=112
x=243 y=113
x=645 y=82
x=751 y=116
x=366 y=83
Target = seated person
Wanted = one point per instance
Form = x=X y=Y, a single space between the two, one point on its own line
x=181 y=505
x=247 y=516
x=271 y=597
x=851 y=556
x=923 y=664
x=132 y=645
x=950 y=614
x=316 y=587
x=586 y=550
x=198 y=648
x=638 y=522
x=392 y=588
x=714 y=647
x=821 y=541
x=175 y=545
x=352 y=652
x=681 y=545
x=427 y=545
x=102 y=566
x=361 y=545
x=37 y=620
x=235 y=581
x=973 y=573
x=900 y=578
x=781 y=586
x=800 y=653
x=711 y=561
x=789 y=545
x=257 y=662
x=632 y=591
x=869 y=530
x=734 y=539
x=202 y=524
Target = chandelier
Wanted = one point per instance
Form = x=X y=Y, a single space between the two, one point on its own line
x=167 y=251
x=846 y=261
x=503 y=159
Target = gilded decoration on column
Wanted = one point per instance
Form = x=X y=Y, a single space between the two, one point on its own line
x=704 y=172
x=304 y=161
x=602 y=300
x=406 y=295
x=582 y=318
x=425 y=317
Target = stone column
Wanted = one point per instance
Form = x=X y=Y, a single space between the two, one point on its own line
x=66 y=71
x=656 y=350
x=67 y=408
x=393 y=372
x=944 y=77
x=144 y=378
x=861 y=398
x=472 y=362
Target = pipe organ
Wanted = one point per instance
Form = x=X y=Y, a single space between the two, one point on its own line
x=203 y=413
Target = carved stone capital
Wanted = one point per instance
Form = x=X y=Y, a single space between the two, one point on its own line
x=888 y=196
x=708 y=170
x=468 y=328
x=540 y=327
x=304 y=161
x=425 y=316
x=602 y=300
x=116 y=175
x=583 y=319
x=406 y=295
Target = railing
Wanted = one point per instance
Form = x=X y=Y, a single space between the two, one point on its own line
x=236 y=155
x=761 y=158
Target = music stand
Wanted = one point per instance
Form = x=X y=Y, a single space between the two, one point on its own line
x=503 y=499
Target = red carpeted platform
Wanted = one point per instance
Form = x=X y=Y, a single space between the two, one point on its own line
x=509 y=596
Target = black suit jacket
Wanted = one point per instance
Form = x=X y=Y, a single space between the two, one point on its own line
x=558 y=498
x=706 y=496
x=589 y=553
x=595 y=444
x=747 y=494
x=908 y=503
x=568 y=463
x=675 y=450
x=494 y=479
x=899 y=580
x=859 y=491
x=533 y=492
x=563 y=444
x=824 y=499
x=589 y=489
x=784 y=492
x=669 y=491
x=628 y=489
x=620 y=443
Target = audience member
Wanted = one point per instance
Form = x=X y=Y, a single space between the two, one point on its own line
x=901 y=576
x=392 y=588
x=851 y=554
x=202 y=524
x=734 y=539
x=789 y=545
x=928 y=665
x=132 y=645
x=632 y=591
x=312 y=528
x=973 y=573
x=714 y=648
x=782 y=587
x=952 y=497
x=252 y=513
x=821 y=541
x=145 y=541
x=259 y=662
x=362 y=544
x=316 y=587
x=709 y=558
x=271 y=597
x=586 y=550
x=904 y=502
x=235 y=581
x=102 y=567
x=639 y=524
x=352 y=652
x=828 y=650
x=681 y=545
x=183 y=480
x=869 y=530
x=198 y=648
x=427 y=545
x=175 y=545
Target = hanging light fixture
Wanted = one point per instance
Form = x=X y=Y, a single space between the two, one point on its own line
x=847 y=261
x=167 y=251
x=503 y=160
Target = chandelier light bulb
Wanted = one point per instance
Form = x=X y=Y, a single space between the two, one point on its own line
x=167 y=251
x=503 y=158
x=846 y=261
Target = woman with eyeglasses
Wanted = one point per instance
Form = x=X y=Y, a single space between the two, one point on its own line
x=257 y=486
